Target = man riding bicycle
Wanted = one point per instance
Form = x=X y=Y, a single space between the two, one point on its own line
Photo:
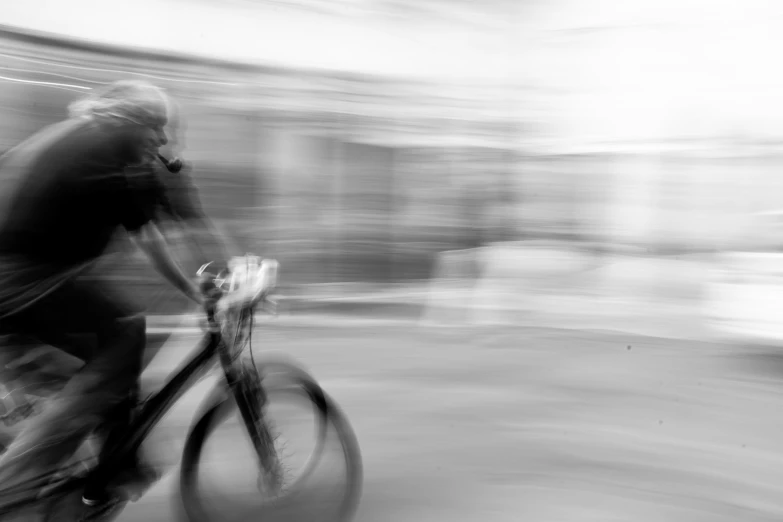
x=70 y=193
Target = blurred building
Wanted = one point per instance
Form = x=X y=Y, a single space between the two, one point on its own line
x=343 y=177
x=355 y=177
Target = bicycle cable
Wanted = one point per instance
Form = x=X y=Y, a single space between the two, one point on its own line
x=252 y=323
x=250 y=339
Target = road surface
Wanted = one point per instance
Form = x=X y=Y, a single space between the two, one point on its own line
x=509 y=424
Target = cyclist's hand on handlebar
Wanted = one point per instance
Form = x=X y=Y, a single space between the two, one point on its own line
x=250 y=280
x=208 y=291
x=195 y=294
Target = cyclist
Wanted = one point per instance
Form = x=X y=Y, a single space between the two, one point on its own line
x=26 y=363
x=69 y=195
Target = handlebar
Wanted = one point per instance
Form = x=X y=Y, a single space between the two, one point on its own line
x=247 y=281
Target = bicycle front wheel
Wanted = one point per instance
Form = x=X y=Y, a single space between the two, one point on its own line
x=223 y=476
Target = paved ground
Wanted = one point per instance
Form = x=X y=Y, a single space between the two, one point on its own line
x=509 y=424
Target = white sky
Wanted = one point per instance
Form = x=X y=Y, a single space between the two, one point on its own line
x=256 y=31
x=645 y=68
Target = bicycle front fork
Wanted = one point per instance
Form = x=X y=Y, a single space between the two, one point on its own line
x=251 y=400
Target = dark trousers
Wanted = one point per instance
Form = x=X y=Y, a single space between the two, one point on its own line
x=102 y=390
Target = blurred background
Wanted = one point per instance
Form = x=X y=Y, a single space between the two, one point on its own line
x=617 y=149
x=598 y=182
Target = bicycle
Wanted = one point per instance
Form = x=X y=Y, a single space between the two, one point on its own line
x=246 y=386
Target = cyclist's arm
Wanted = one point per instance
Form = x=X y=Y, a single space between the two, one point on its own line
x=205 y=240
x=181 y=202
x=146 y=197
x=151 y=241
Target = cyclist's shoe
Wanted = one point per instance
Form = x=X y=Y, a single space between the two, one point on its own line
x=129 y=484
x=99 y=510
x=136 y=479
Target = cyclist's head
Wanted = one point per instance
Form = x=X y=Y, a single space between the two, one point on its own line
x=132 y=101
x=140 y=106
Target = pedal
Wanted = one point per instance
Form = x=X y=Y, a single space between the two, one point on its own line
x=18 y=414
x=58 y=479
x=52 y=486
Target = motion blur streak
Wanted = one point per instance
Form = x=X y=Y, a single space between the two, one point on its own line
x=574 y=208
x=115 y=71
x=47 y=84
x=50 y=74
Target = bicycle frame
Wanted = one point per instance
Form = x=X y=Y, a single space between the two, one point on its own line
x=241 y=382
x=245 y=387
x=159 y=403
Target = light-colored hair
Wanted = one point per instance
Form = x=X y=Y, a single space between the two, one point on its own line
x=124 y=101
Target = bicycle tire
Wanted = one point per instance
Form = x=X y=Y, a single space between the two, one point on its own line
x=284 y=375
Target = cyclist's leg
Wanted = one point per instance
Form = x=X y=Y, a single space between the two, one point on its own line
x=37 y=367
x=111 y=373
